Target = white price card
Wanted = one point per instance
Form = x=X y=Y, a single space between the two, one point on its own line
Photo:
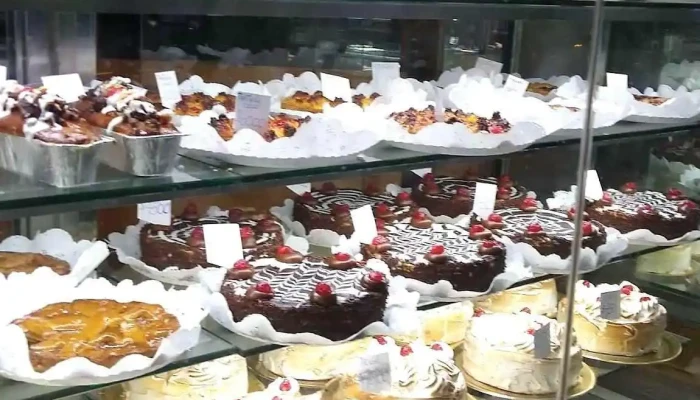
x=422 y=171
x=157 y=212
x=3 y=73
x=364 y=224
x=616 y=81
x=610 y=305
x=374 y=373
x=252 y=111
x=222 y=243
x=335 y=87
x=385 y=72
x=594 y=190
x=488 y=66
x=515 y=85
x=484 y=199
x=542 y=342
x=68 y=86
x=439 y=109
x=168 y=88
x=300 y=188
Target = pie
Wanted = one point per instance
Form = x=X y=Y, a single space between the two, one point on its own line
x=194 y=104
x=103 y=331
x=414 y=120
x=364 y=101
x=653 y=100
x=313 y=103
x=541 y=88
x=28 y=262
x=279 y=126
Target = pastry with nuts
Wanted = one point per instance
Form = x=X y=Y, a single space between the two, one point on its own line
x=413 y=120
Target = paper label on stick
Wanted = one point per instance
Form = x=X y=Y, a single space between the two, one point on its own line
x=610 y=305
x=168 y=88
x=300 y=188
x=364 y=224
x=616 y=81
x=484 y=199
x=223 y=244
x=68 y=86
x=374 y=374
x=3 y=73
x=156 y=212
x=422 y=171
x=488 y=66
x=335 y=87
x=252 y=111
x=594 y=190
x=542 y=342
x=385 y=72
x=516 y=86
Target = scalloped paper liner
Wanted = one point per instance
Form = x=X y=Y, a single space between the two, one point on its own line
x=83 y=256
x=400 y=316
x=187 y=306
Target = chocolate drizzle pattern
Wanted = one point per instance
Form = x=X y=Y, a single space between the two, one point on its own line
x=554 y=223
x=412 y=244
x=351 y=197
x=631 y=203
x=449 y=186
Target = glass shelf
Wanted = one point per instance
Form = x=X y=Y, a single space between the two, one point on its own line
x=20 y=197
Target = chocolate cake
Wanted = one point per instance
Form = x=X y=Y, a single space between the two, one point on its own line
x=329 y=208
x=670 y=215
x=182 y=243
x=331 y=298
x=548 y=231
x=454 y=196
x=429 y=252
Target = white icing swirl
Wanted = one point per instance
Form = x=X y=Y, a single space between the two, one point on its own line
x=280 y=388
x=515 y=332
x=635 y=305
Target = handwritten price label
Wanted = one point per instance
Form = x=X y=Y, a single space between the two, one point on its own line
x=374 y=374
x=364 y=224
x=593 y=188
x=484 y=199
x=515 y=85
x=168 y=88
x=69 y=86
x=252 y=111
x=223 y=244
x=157 y=212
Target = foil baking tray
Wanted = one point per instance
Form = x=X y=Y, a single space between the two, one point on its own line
x=142 y=155
x=61 y=165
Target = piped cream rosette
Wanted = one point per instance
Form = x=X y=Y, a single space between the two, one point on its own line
x=537 y=298
x=279 y=389
x=499 y=351
x=638 y=331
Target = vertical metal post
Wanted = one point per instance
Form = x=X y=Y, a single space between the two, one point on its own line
x=584 y=162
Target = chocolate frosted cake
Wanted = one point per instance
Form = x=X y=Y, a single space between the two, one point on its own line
x=182 y=243
x=305 y=294
x=670 y=215
x=430 y=252
x=329 y=208
x=453 y=196
x=548 y=231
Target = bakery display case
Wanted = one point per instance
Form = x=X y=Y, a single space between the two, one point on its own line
x=338 y=199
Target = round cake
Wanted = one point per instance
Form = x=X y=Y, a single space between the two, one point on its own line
x=674 y=261
x=446 y=323
x=670 y=215
x=638 y=331
x=548 y=231
x=537 y=298
x=417 y=371
x=329 y=207
x=279 y=389
x=499 y=351
x=453 y=196
x=430 y=252
x=332 y=298
x=222 y=379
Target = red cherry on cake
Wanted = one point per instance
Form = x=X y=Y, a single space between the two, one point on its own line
x=342 y=256
x=431 y=188
x=526 y=310
x=674 y=194
x=645 y=298
x=626 y=290
x=646 y=209
x=607 y=199
x=190 y=212
x=496 y=129
x=403 y=196
x=328 y=188
x=246 y=232
x=372 y=189
x=531 y=331
x=379 y=223
x=504 y=180
x=419 y=215
x=489 y=244
x=308 y=198
x=495 y=218
x=406 y=350
x=629 y=187
x=478 y=312
x=285 y=385
x=587 y=228
x=462 y=192
x=529 y=204
x=503 y=193
x=429 y=177
x=241 y=264
x=197 y=232
x=687 y=206
x=436 y=347
x=382 y=208
x=380 y=339
x=379 y=240
x=587 y=284
x=282 y=250
x=629 y=288
x=323 y=289
x=376 y=276
x=437 y=249
x=534 y=228
x=263 y=287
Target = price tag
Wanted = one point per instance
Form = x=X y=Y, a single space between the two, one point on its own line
x=616 y=81
x=610 y=305
x=300 y=188
x=488 y=66
x=374 y=374
x=542 y=342
x=422 y=171
x=593 y=188
x=223 y=244
x=157 y=212
x=439 y=109
x=516 y=85
x=168 y=88
x=252 y=111
x=364 y=224
x=68 y=86
x=335 y=86
x=3 y=73
x=484 y=199
x=385 y=72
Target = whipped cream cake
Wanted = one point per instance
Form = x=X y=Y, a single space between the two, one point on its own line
x=537 y=298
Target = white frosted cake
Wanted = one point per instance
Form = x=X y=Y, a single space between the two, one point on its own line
x=222 y=379
x=638 y=331
x=674 y=261
x=447 y=323
x=499 y=351
x=537 y=298
x=279 y=389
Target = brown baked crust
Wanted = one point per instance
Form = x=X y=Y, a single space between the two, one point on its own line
x=280 y=125
x=309 y=102
x=541 y=88
x=653 y=100
x=103 y=331
x=194 y=104
x=30 y=262
x=414 y=120
x=364 y=101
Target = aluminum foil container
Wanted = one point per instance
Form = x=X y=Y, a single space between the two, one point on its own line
x=142 y=155
x=61 y=165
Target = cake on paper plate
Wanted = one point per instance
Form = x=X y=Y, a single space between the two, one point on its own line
x=637 y=331
x=674 y=261
x=499 y=350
